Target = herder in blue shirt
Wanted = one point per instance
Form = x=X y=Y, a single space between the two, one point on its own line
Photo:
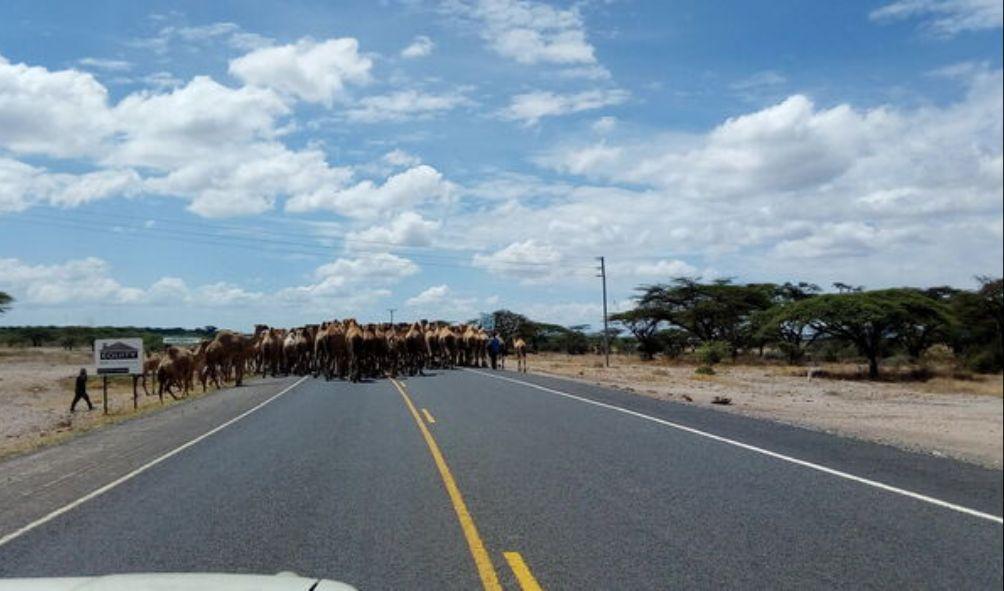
x=494 y=348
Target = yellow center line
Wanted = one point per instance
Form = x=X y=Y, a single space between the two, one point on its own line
x=428 y=416
x=519 y=568
x=486 y=570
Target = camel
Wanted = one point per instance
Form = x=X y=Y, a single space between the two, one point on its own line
x=289 y=351
x=354 y=348
x=481 y=339
x=330 y=354
x=431 y=336
x=519 y=349
x=271 y=351
x=175 y=369
x=150 y=368
x=417 y=349
x=371 y=350
x=448 y=341
x=228 y=349
x=394 y=350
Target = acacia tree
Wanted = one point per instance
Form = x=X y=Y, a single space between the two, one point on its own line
x=644 y=326
x=872 y=321
x=791 y=335
x=5 y=302
x=508 y=323
x=716 y=311
x=979 y=332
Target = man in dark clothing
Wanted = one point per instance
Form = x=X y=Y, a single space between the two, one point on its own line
x=494 y=347
x=80 y=393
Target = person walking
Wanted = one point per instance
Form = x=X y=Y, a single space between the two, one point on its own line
x=80 y=392
x=494 y=347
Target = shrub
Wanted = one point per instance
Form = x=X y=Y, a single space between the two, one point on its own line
x=983 y=361
x=712 y=352
x=705 y=370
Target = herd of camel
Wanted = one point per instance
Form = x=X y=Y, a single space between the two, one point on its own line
x=339 y=348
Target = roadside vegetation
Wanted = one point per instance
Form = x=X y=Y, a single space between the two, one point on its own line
x=940 y=328
x=74 y=337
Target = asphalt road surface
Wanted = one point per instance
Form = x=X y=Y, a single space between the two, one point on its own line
x=464 y=480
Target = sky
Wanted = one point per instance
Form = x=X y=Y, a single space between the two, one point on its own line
x=230 y=163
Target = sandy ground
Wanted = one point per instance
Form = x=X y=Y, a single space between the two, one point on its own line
x=36 y=388
x=963 y=419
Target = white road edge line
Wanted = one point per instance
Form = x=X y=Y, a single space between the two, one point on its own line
x=68 y=507
x=759 y=450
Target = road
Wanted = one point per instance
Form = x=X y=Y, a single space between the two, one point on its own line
x=465 y=480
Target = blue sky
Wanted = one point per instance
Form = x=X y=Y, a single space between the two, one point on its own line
x=232 y=163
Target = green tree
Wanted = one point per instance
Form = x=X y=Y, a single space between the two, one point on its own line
x=870 y=320
x=5 y=302
x=716 y=311
x=510 y=324
x=644 y=326
x=977 y=334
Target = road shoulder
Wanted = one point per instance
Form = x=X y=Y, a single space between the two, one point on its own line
x=38 y=483
x=958 y=482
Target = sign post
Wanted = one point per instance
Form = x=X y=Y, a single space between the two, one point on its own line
x=118 y=357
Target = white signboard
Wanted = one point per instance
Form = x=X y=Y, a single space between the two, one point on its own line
x=487 y=321
x=182 y=340
x=118 y=356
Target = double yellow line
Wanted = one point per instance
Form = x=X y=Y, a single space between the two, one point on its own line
x=483 y=561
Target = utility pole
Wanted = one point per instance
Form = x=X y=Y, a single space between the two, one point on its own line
x=606 y=332
x=391 y=310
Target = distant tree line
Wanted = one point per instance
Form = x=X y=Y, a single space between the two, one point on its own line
x=72 y=337
x=797 y=319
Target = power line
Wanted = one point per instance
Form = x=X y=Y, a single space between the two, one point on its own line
x=255 y=244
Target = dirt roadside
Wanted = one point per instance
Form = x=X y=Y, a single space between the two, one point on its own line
x=36 y=388
x=954 y=418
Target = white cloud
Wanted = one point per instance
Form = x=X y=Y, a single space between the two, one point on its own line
x=402 y=105
x=412 y=187
x=794 y=147
x=666 y=268
x=89 y=281
x=945 y=18
x=604 y=125
x=308 y=70
x=217 y=147
x=761 y=79
x=529 y=260
x=349 y=283
x=440 y=302
x=434 y=295
x=529 y=32
x=381 y=268
x=406 y=229
x=197 y=122
x=532 y=106
x=229 y=33
x=23 y=185
x=110 y=65
x=421 y=46
x=162 y=81
x=398 y=157
x=761 y=192
x=63 y=113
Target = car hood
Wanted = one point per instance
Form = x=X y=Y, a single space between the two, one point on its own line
x=175 y=582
